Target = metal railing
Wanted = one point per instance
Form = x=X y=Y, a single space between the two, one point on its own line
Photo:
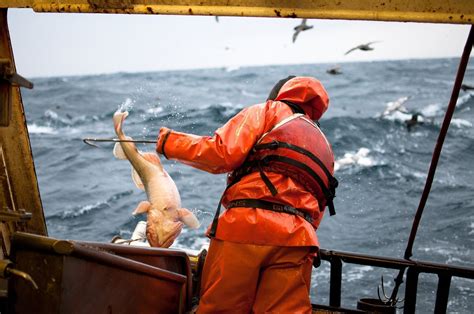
x=444 y=272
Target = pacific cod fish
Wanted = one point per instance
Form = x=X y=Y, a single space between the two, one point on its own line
x=165 y=216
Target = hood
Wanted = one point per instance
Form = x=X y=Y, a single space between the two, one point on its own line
x=308 y=93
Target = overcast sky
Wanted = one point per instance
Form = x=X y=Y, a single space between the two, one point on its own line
x=74 y=44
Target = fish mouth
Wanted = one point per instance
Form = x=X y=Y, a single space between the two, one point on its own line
x=165 y=239
x=176 y=231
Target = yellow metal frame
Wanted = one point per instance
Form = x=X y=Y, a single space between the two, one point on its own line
x=18 y=183
x=434 y=11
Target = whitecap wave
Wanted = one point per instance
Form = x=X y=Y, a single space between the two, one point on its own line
x=54 y=118
x=357 y=273
x=400 y=116
x=232 y=68
x=461 y=123
x=431 y=110
x=76 y=212
x=359 y=158
x=38 y=129
x=463 y=99
x=248 y=94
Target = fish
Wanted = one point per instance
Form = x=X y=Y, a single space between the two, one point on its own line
x=165 y=216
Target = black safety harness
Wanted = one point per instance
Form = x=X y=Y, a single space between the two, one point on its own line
x=250 y=166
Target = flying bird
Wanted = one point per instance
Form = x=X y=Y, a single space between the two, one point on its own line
x=300 y=28
x=363 y=47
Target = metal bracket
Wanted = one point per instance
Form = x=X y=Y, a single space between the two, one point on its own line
x=15 y=216
x=8 y=74
x=8 y=77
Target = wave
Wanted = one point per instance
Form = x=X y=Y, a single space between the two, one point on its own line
x=464 y=99
x=357 y=273
x=232 y=68
x=461 y=123
x=432 y=110
x=248 y=94
x=359 y=158
x=37 y=129
x=218 y=111
x=82 y=210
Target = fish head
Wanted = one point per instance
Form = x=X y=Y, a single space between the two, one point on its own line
x=162 y=228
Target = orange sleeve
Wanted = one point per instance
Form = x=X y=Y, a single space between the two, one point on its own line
x=221 y=153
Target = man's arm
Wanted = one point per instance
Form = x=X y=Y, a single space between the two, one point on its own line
x=224 y=151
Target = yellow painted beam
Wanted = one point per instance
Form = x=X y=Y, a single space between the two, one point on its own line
x=434 y=11
x=18 y=184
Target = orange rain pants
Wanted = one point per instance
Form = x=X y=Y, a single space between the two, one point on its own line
x=247 y=278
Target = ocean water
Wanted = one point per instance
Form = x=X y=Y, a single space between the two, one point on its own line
x=87 y=194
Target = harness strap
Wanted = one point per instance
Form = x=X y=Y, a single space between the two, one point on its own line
x=329 y=194
x=267 y=181
x=215 y=220
x=276 y=207
x=277 y=144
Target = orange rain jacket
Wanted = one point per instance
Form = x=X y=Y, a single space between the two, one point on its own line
x=227 y=150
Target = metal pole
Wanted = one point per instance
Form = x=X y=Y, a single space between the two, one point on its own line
x=434 y=161
x=441 y=137
x=89 y=141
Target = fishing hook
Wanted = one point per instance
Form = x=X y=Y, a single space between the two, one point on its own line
x=89 y=141
x=385 y=298
x=392 y=300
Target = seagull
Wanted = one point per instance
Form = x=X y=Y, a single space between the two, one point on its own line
x=396 y=106
x=334 y=70
x=300 y=28
x=364 y=47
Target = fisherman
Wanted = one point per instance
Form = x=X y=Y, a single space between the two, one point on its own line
x=281 y=165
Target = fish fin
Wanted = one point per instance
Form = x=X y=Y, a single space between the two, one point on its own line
x=118 y=150
x=152 y=158
x=188 y=218
x=136 y=179
x=142 y=207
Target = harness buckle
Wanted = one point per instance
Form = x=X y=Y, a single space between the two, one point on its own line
x=273 y=144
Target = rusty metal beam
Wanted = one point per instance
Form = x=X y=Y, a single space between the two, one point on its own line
x=18 y=183
x=434 y=11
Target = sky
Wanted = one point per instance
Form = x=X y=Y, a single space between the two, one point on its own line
x=67 y=44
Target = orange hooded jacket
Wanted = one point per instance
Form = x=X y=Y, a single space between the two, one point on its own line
x=227 y=150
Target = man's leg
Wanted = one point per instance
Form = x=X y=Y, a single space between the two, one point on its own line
x=285 y=282
x=230 y=277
